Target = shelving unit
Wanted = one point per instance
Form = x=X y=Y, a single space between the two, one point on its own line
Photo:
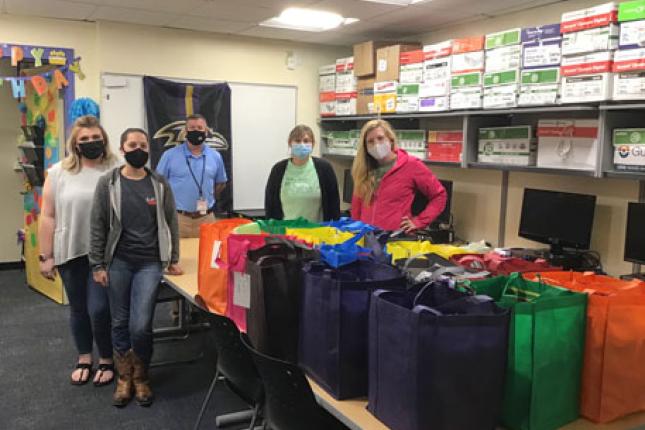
x=610 y=116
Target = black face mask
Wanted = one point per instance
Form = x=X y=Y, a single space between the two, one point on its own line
x=137 y=158
x=92 y=149
x=196 y=137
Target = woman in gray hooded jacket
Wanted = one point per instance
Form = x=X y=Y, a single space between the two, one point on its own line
x=134 y=236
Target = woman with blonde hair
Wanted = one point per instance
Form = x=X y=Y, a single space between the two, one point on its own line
x=64 y=240
x=386 y=180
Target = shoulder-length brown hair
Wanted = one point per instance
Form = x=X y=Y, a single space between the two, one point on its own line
x=364 y=164
x=72 y=161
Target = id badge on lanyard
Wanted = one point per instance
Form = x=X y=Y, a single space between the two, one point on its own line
x=202 y=204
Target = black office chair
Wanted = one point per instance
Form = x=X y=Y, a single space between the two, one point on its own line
x=290 y=404
x=235 y=365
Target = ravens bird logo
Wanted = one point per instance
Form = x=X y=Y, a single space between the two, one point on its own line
x=175 y=134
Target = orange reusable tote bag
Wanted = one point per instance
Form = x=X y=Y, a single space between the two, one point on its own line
x=613 y=374
x=212 y=274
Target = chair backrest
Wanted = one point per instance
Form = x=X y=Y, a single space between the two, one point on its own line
x=234 y=361
x=290 y=404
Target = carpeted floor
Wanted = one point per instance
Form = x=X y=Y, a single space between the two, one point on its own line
x=37 y=355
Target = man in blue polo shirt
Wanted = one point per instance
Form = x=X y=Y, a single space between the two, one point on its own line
x=196 y=175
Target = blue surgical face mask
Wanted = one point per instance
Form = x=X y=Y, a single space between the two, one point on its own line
x=301 y=150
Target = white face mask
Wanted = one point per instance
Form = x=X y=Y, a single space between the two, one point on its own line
x=380 y=150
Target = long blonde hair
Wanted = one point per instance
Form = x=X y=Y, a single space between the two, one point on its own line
x=72 y=161
x=364 y=164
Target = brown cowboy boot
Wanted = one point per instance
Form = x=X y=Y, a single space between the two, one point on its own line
x=142 y=392
x=123 y=390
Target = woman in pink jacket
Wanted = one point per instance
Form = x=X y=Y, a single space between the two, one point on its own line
x=386 y=180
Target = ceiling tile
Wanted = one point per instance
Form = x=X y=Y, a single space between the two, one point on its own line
x=171 y=6
x=49 y=8
x=209 y=24
x=234 y=11
x=134 y=16
x=355 y=8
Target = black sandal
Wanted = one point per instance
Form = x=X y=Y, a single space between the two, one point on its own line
x=102 y=367
x=84 y=366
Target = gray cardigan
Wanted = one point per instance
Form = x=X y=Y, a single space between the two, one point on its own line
x=106 y=228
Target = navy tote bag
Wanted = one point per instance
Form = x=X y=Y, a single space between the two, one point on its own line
x=333 y=322
x=437 y=359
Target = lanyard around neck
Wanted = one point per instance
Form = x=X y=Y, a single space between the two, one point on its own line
x=190 y=169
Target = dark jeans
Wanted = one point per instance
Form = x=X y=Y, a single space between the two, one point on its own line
x=133 y=291
x=89 y=307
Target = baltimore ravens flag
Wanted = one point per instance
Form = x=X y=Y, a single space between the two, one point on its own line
x=168 y=103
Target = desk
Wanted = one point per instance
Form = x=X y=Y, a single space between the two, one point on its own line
x=352 y=413
x=186 y=284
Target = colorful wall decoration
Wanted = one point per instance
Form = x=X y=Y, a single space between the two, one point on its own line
x=38 y=96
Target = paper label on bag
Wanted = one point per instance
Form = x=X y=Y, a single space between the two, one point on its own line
x=217 y=247
x=242 y=289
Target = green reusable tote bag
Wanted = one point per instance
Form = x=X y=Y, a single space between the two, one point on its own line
x=546 y=346
x=278 y=226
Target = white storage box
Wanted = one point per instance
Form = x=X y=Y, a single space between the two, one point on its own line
x=629 y=86
x=629 y=149
x=468 y=62
x=586 y=88
x=499 y=97
x=346 y=103
x=507 y=145
x=407 y=98
x=509 y=57
x=595 y=39
x=436 y=77
x=586 y=64
x=466 y=98
x=567 y=143
x=327 y=81
x=434 y=104
x=539 y=87
x=632 y=35
x=592 y=17
x=545 y=53
x=437 y=50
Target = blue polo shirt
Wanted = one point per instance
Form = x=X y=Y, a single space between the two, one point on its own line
x=176 y=165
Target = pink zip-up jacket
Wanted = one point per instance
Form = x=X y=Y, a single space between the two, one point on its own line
x=393 y=198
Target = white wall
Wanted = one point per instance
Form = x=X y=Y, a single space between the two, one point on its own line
x=123 y=48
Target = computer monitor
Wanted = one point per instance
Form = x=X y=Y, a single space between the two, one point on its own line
x=635 y=233
x=420 y=202
x=348 y=186
x=557 y=219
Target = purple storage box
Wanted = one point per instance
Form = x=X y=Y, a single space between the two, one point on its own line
x=549 y=31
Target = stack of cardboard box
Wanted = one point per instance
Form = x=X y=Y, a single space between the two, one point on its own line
x=502 y=69
x=629 y=60
x=327 y=90
x=589 y=38
x=434 y=91
x=345 y=87
x=541 y=56
x=467 y=67
x=378 y=69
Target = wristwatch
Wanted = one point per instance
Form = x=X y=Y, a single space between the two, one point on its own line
x=43 y=257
